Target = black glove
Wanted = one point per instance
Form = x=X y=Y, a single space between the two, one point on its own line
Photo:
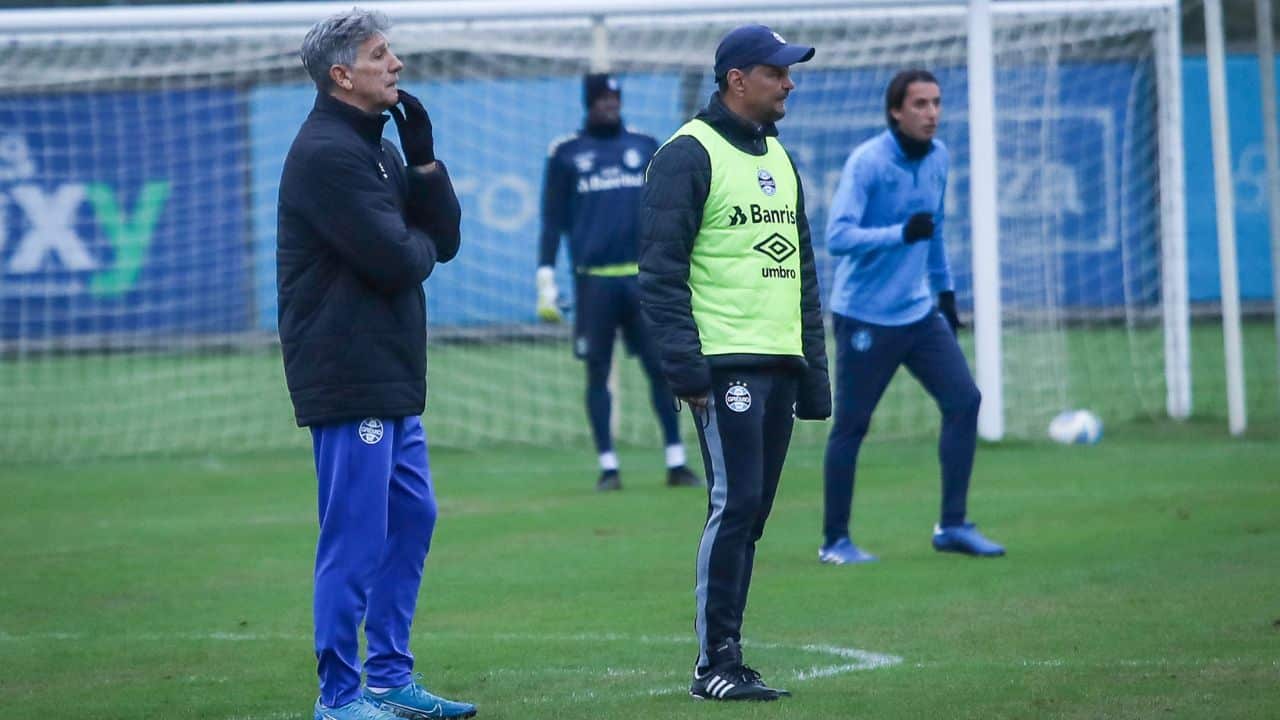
x=415 y=131
x=918 y=227
x=813 y=396
x=947 y=306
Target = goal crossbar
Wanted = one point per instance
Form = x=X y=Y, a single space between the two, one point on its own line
x=295 y=15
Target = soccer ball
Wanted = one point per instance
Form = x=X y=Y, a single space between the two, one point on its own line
x=1076 y=427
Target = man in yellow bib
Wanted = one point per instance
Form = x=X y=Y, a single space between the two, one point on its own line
x=728 y=283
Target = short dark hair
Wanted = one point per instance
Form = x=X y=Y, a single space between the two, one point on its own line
x=896 y=93
x=722 y=81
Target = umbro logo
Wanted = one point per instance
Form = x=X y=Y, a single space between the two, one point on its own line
x=775 y=247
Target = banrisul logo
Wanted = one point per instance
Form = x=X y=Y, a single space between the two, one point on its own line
x=756 y=214
x=51 y=234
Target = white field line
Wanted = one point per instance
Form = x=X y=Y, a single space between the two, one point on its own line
x=853 y=660
x=863 y=660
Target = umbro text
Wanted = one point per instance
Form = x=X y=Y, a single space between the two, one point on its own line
x=778 y=272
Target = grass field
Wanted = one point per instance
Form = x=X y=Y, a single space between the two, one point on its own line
x=65 y=408
x=1143 y=581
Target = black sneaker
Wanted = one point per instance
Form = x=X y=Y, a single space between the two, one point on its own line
x=729 y=679
x=682 y=477
x=609 y=480
x=750 y=674
x=731 y=682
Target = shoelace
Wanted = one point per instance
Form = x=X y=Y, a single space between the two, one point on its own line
x=750 y=676
x=365 y=710
x=420 y=693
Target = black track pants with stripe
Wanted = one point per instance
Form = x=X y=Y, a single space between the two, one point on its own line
x=744 y=434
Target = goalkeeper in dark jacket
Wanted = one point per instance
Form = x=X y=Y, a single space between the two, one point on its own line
x=728 y=282
x=592 y=195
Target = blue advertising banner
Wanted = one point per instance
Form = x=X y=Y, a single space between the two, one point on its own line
x=496 y=150
x=1079 y=230
x=1248 y=168
x=125 y=213
x=122 y=213
x=1077 y=227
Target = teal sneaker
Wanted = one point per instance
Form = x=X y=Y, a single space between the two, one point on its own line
x=358 y=709
x=414 y=702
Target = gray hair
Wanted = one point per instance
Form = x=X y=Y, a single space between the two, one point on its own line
x=335 y=40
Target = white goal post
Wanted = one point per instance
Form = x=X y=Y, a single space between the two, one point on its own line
x=139 y=147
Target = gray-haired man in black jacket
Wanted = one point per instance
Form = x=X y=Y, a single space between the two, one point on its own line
x=358 y=234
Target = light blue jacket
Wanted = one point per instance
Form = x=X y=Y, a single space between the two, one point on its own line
x=879 y=278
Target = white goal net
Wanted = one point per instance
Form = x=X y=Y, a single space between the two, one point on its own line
x=140 y=157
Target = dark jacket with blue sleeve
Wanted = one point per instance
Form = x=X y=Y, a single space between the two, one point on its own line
x=358 y=233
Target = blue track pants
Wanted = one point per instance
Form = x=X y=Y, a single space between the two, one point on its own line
x=377 y=513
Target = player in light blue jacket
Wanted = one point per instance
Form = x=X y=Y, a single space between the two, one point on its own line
x=885 y=231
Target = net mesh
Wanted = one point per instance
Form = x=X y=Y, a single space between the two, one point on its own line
x=139 y=173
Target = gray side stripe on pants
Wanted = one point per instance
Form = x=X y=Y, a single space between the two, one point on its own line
x=719 y=496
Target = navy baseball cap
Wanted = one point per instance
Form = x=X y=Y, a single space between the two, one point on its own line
x=757 y=45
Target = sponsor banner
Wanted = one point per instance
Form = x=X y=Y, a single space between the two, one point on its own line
x=1070 y=226
x=122 y=213
x=496 y=150
x=1078 y=231
x=1248 y=168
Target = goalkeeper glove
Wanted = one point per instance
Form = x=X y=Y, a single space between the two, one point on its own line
x=548 y=295
x=918 y=227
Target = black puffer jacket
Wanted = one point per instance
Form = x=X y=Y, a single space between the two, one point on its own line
x=675 y=192
x=358 y=233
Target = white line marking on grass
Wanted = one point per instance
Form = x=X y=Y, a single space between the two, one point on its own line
x=852 y=659
x=579 y=671
x=1043 y=663
x=221 y=636
x=863 y=660
x=203 y=679
x=575 y=637
x=7 y=637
